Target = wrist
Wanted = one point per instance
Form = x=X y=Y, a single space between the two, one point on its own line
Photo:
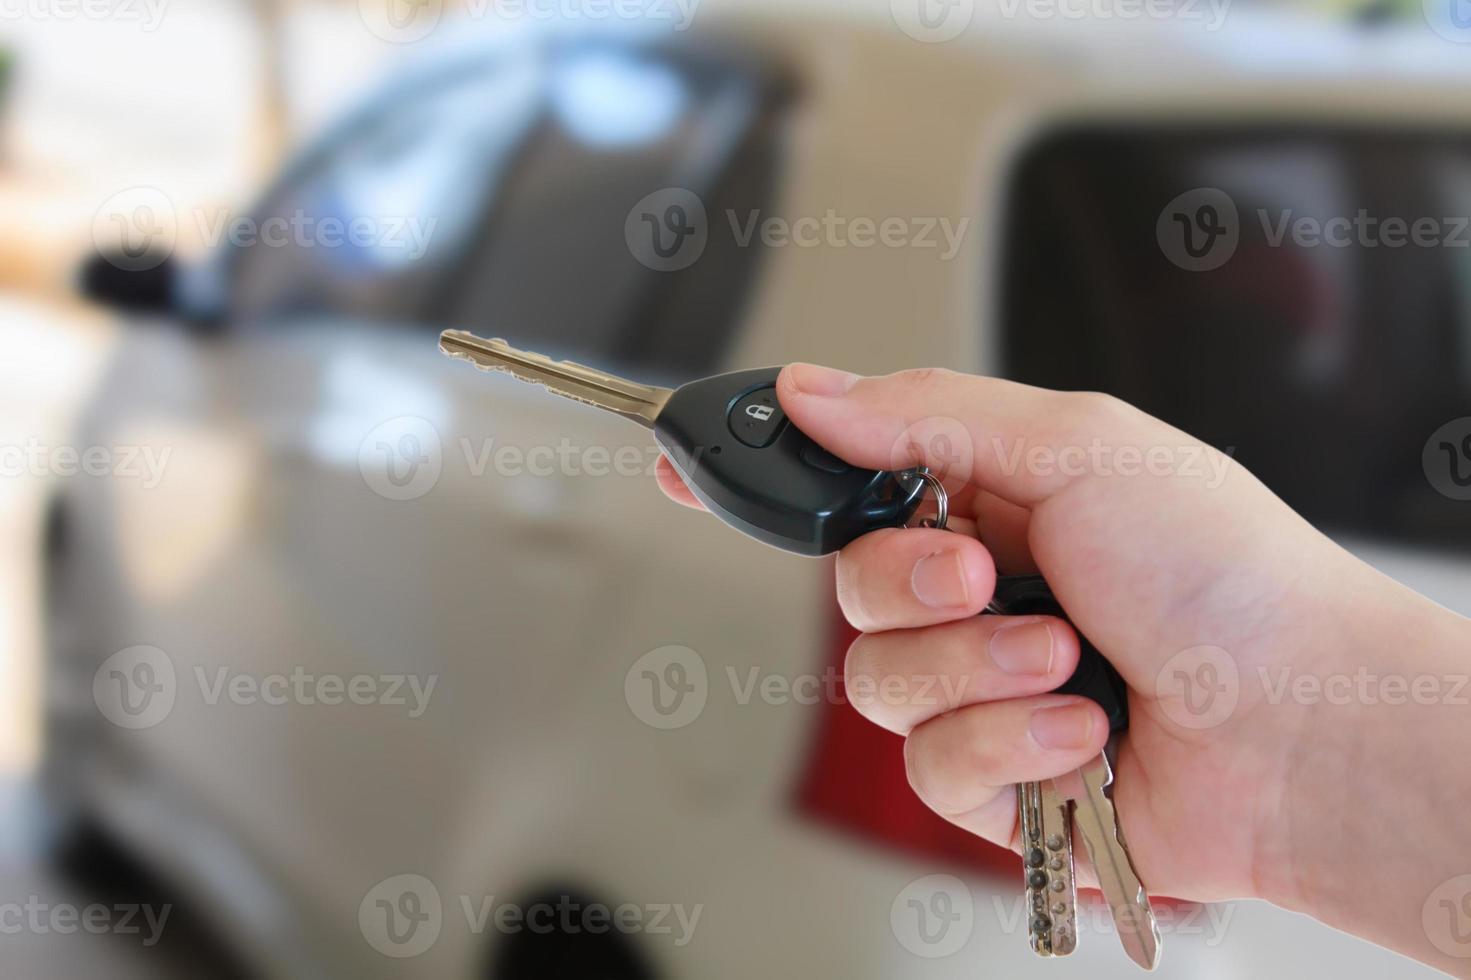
x=1368 y=815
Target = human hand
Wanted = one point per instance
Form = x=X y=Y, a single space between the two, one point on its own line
x=1200 y=586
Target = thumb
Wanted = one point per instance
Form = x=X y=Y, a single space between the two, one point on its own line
x=969 y=430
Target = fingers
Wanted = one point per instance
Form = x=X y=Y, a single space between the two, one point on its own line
x=903 y=678
x=674 y=488
x=961 y=762
x=1003 y=528
x=900 y=578
x=984 y=430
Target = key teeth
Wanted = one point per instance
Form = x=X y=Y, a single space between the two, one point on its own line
x=1050 y=886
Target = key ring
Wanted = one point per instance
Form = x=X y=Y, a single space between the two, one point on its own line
x=942 y=500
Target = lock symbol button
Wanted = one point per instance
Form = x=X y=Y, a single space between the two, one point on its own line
x=756 y=418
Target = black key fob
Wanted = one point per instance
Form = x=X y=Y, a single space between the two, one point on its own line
x=730 y=441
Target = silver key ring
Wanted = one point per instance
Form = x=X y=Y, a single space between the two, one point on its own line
x=942 y=500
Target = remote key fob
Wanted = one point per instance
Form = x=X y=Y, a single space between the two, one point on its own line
x=735 y=449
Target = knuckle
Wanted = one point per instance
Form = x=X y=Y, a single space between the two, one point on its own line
x=863 y=666
x=938 y=770
x=925 y=378
x=1098 y=412
x=918 y=770
x=860 y=593
x=850 y=600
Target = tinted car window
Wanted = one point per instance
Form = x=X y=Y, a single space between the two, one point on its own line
x=510 y=187
x=1170 y=268
x=379 y=213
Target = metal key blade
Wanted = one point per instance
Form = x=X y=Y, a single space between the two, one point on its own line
x=1047 y=854
x=1098 y=823
x=632 y=400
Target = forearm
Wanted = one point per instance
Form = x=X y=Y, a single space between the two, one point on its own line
x=1379 y=813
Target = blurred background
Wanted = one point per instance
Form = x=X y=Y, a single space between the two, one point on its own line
x=324 y=656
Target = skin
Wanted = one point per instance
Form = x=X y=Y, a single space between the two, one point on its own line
x=1350 y=809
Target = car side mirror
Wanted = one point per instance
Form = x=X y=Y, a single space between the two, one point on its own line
x=131 y=283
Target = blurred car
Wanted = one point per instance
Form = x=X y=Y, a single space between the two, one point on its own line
x=335 y=501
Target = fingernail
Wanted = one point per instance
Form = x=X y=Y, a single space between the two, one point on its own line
x=938 y=580
x=1022 y=648
x=825 y=382
x=1067 y=726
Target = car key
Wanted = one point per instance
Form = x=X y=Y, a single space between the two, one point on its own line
x=1048 y=810
x=1046 y=821
x=731 y=443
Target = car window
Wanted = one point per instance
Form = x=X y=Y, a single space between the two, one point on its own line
x=514 y=191
x=371 y=221
x=1247 y=284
